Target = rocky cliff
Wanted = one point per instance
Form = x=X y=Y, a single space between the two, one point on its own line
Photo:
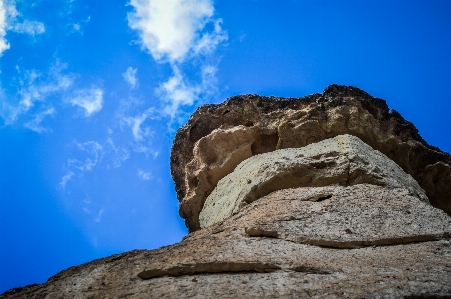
x=327 y=196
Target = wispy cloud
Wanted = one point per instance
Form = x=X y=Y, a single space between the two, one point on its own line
x=67 y=177
x=79 y=27
x=144 y=175
x=35 y=123
x=99 y=216
x=29 y=27
x=119 y=154
x=94 y=152
x=91 y=100
x=86 y=156
x=89 y=154
x=34 y=87
x=130 y=77
x=12 y=20
x=136 y=123
x=178 y=91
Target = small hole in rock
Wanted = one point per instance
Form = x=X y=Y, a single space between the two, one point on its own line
x=324 y=197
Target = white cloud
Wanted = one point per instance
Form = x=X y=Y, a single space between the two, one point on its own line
x=4 y=45
x=90 y=155
x=94 y=153
x=29 y=27
x=173 y=29
x=67 y=177
x=178 y=91
x=79 y=27
x=136 y=123
x=130 y=77
x=91 y=100
x=120 y=154
x=177 y=31
x=34 y=87
x=35 y=123
x=144 y=175
x=12 y=20
x=99 y=216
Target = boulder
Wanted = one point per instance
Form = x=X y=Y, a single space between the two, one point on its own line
x=250 y=124
x=343 y=160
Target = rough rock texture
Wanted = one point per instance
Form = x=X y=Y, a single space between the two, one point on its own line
x=361 y=241
x=344 y=160
x=218 y=137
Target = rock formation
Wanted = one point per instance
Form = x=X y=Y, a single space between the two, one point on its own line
x=219 y=137
x=344 y=160
x=327 y=196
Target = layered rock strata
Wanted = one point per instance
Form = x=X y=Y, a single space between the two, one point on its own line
x=219 y=137
x=344 y=160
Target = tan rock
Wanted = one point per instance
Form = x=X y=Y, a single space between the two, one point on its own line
x=215 y=156
x=400 y=244
x=278 y=123
x=344 y=160
x=350 y=217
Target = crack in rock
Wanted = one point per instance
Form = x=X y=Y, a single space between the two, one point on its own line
x=260 y=232
x=225 y=267
x=210 y=268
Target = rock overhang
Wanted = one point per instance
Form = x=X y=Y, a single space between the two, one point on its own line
x=272 y=123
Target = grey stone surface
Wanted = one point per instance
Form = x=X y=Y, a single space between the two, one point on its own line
x=343 y=160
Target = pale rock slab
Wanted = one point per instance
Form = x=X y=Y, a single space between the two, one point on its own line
x=344 y=160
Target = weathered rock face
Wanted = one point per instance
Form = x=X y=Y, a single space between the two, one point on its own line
x=344 y=160
x=361 y=241
x=219 y=137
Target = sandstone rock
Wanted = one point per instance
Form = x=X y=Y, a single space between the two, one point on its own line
x=253 y=124
x=400 y=244
x=343 y=160
x=351 y=217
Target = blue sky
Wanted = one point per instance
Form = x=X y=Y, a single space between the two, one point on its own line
x=93 y=91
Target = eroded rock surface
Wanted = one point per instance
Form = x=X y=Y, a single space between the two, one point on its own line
x=350 y=217
x=344 y=160
x=400 y=248
x=250 y=124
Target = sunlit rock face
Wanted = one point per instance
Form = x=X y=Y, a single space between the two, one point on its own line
x=360 y=241
x=344 y=160
x=319 y=197
x=219 y=137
